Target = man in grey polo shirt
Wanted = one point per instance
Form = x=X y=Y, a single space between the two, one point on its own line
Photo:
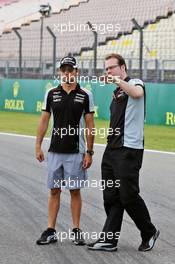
x=122 y=159
x=68 y=158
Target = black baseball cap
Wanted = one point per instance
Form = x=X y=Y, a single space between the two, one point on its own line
x=67 y=61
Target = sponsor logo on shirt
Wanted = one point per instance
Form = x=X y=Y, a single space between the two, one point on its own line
x=79 y=98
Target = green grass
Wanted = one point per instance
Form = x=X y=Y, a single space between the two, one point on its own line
x=156 y=137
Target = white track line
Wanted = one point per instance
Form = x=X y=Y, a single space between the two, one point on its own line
x=100 y=145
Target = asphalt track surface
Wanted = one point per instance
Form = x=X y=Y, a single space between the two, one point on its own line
x=23 y=210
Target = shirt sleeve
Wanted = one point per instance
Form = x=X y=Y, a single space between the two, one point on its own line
x=89 y=103
x=47 y=102
x=137 y=82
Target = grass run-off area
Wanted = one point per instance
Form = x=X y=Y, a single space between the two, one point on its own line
x=156 y=137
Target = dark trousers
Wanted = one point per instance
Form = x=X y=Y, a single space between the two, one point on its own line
x=123 y=165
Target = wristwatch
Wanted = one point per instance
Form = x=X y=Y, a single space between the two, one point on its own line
x=90 y=152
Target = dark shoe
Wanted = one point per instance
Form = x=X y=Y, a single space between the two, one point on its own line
x=47 y=237
x=149 y=244
x=101 y=245
x=78 y=238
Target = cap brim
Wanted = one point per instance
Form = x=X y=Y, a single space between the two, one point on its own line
x=73 y=66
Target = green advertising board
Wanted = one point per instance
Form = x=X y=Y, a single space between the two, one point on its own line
x=23 y=95
x=28 y=95
x=160 y=103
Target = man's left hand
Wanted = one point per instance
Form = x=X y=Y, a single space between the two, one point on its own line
x=87 y=161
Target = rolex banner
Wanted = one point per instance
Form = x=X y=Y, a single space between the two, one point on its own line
x=23 y=95
x=28 y=95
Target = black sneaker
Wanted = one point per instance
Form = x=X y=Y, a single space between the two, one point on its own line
x=78 y=238
x=47 y=237
x=149 y=244
x=102 y=245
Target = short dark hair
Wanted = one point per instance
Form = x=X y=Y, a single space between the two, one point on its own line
x=120 y=59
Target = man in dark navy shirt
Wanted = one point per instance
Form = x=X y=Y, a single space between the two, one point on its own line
x=68 y=159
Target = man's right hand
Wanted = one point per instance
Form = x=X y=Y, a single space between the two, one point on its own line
x=109 y=79
x=39 y=154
